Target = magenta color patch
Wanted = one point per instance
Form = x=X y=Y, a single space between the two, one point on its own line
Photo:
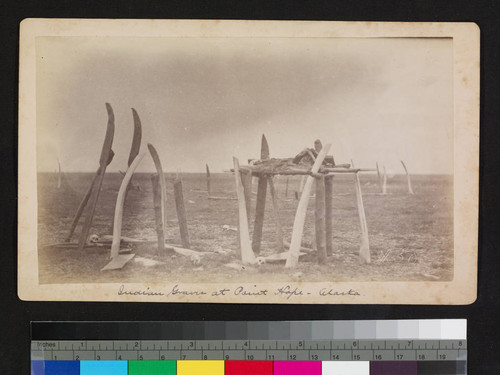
x=297 y=367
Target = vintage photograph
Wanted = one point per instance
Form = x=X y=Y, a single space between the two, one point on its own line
x=236 y=165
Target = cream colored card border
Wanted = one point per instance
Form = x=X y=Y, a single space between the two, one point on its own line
x=462 y=290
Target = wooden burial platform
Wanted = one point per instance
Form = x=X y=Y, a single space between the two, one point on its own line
x=315 y=166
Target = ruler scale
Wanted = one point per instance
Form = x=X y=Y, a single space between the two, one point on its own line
x=401 y=347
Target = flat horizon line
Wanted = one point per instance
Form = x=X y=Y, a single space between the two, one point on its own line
x=212 y=173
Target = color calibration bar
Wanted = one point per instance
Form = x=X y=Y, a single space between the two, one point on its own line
x=216 y=348
x=246 y=368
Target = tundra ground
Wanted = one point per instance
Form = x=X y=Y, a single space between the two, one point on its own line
x=411 y=236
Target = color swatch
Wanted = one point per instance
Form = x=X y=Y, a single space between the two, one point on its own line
x=103 y=368
x=200 y=367
x=55 y=367
x=248 y=368
x=152 y=367
x=358 y=347
x=297 y=368
x=347 y=368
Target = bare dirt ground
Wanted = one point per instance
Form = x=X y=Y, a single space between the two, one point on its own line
x=411 y=236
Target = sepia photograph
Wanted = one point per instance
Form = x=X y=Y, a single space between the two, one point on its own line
x=264 y=162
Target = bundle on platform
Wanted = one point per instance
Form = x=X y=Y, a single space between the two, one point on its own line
x=287 y=166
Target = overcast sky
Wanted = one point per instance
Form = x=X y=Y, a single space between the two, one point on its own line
x=205 y=100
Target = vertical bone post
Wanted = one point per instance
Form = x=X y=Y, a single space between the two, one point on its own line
x=209 y=185
x=155 y=182
x=82 y=206
x=329 y=214
x=277 y=217
x=298 y=194
x=85 y=199
x=181 y=213
x=261 y=199
x=59 y=175
x=161 y=176
x=120 y=202
x=136 y=142
x=364 y=249
x=260 y=208
x=384 y=183
x=379 y=177
x=300 y=216
x=246 y=253
x=410 y=188
x=320 y=219
x=104 y=160
x=246 y=179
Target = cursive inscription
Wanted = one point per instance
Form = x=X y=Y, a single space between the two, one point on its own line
x=146 y=292
x=285 y=291
x=331 y=292
x=220 y=292
x=176 y=290
x=288 y=291
x=241 y=291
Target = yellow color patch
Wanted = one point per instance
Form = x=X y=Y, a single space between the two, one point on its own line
x=200 y=367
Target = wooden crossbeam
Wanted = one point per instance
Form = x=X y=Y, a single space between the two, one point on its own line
x=297 y=171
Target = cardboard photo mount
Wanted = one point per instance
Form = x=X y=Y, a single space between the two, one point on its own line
x=461 y=289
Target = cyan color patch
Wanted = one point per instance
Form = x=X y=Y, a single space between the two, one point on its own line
x=103 y=368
